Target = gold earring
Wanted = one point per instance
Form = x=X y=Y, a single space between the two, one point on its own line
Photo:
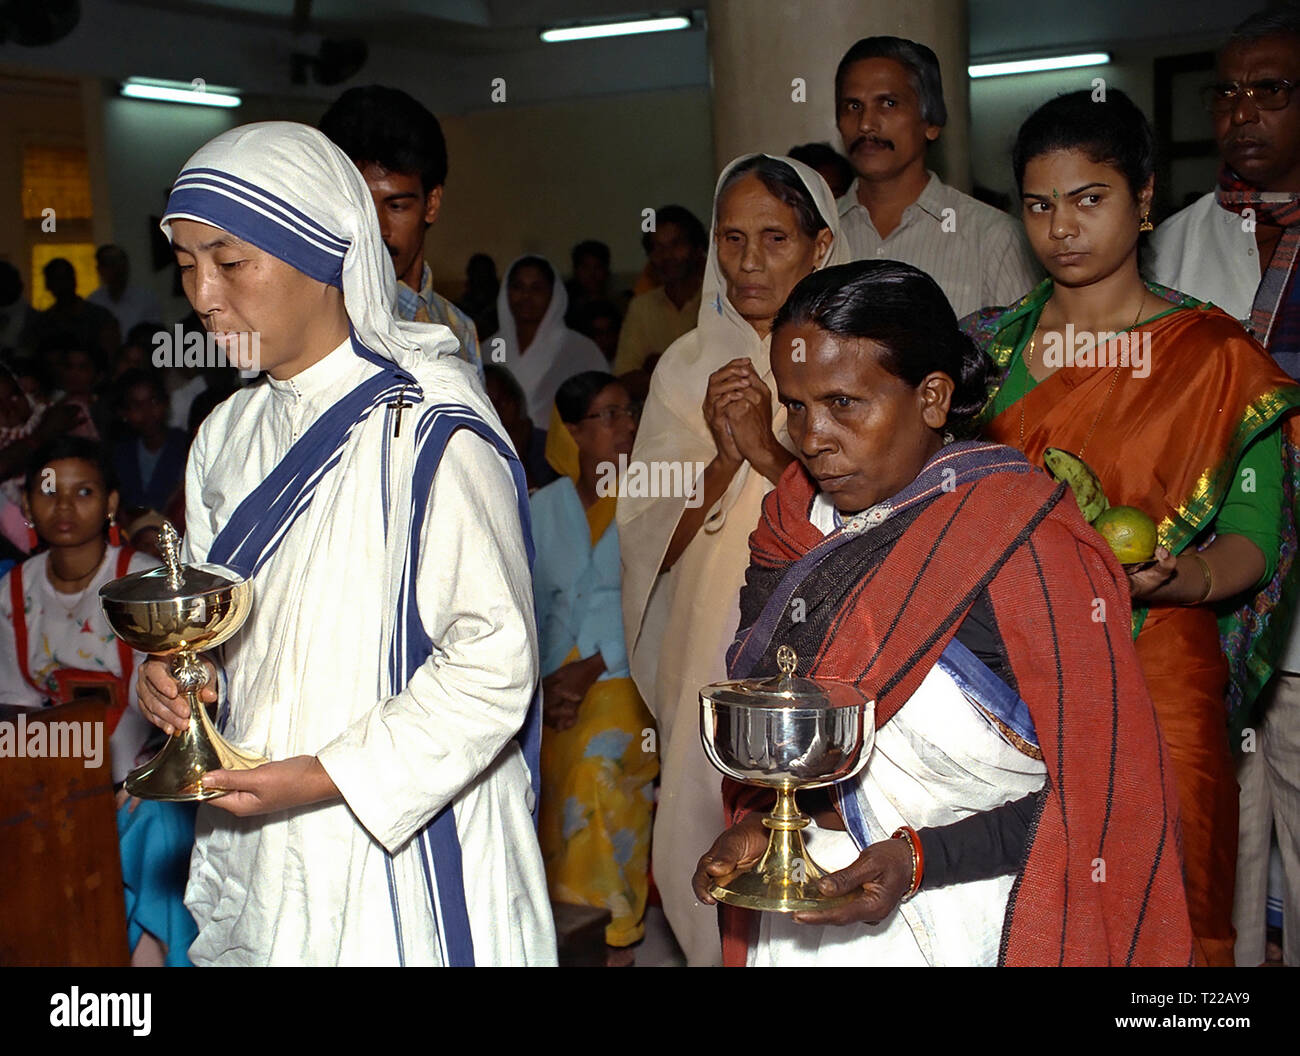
x=1146 y=224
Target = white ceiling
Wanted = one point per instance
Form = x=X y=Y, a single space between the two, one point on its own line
x=997 y=26
x=447 y=51
x=1046 y=26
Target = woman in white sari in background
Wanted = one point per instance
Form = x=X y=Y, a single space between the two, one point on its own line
x=538 y=349
x=684 y=556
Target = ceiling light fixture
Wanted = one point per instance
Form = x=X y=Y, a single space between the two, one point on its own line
x=1056 y=62
x=196 y=92
x=556 y=34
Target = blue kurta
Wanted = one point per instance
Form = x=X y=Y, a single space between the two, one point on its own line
x=578 y=587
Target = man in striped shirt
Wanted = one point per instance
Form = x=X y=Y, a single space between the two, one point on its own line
x=889 y=108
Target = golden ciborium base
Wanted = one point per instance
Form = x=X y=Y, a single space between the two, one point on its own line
x=785 y=879
x=178 y=611
x=176 y=772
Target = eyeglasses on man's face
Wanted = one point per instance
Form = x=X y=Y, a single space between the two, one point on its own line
x=1222 y=98
x=612 y=415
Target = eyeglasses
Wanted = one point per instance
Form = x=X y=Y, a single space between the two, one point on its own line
x=1266 y=95
x=610 y=415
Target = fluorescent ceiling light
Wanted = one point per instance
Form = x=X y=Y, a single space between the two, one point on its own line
x=179 y=92
x=1057 y=62
x=615 y=29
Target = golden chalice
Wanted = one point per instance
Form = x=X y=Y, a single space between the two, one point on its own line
x=179 y=611
x=784 y=733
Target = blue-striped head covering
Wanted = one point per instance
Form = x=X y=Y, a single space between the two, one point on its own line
x=286 y=189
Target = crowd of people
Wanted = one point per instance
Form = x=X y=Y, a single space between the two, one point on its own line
x=475 y=664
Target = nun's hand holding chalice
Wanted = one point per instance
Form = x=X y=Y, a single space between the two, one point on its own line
x=173 y=613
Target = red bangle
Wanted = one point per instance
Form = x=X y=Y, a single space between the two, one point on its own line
x=906 y=832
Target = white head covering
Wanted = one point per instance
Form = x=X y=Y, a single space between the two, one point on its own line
x=673 y=431
x=723 y=333
x=285 y=188
x=555 y=354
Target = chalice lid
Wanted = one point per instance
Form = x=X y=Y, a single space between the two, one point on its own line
x=786 y=690
x=172 y=581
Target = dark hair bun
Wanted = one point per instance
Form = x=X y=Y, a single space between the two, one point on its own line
x=904 y=311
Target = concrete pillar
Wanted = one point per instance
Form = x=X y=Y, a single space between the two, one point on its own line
x=772 y=66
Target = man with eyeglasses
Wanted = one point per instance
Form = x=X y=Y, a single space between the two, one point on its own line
x=1238 y=247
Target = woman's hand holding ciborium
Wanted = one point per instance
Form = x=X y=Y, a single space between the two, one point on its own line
x=784 y=733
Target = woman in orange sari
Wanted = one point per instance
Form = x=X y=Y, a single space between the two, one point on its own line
x=1181 y=414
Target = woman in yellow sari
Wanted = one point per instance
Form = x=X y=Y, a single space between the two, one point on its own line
x=598 y=742
x=1180 y=414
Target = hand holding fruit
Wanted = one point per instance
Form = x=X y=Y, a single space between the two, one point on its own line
x=1144 y=580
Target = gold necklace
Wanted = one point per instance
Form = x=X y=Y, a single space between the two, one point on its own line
x=1029 y=364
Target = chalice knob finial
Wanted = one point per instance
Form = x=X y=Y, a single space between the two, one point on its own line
x=786 y=660
x=170 y=545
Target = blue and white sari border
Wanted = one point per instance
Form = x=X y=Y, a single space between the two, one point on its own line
x=224 y=200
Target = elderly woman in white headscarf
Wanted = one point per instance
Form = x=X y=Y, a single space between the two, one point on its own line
x=684 y=556
x=395 y=700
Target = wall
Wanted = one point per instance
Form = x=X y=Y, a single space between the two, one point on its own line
x=522 y=179
x=590 y=134
x=145 y=145
x=538 y=179
x=1000 y=104
x=33 y=109
x=535 y=174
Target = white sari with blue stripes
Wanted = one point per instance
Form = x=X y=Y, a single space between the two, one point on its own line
x=404 y=660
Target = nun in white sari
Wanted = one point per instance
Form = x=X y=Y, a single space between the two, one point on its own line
x=774 y=221
x=533 y=342
x=391 y=639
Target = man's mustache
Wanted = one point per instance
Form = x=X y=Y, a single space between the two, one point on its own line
x=870 y=139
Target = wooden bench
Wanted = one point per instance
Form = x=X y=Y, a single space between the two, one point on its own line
x=59 y=864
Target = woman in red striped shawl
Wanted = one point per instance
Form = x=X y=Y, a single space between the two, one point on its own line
x=1018 y=806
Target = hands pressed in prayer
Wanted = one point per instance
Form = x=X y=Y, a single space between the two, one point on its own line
x=879 y=879
x=742 y=408
x=161 y=699
x=564 y=689
x=295 y=782
x=725 y=385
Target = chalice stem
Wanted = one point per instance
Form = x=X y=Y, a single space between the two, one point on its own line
x=786 y=860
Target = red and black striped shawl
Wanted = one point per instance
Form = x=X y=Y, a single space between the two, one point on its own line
x=1062 y=608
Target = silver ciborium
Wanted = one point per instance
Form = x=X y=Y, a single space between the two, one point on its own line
x=784 y=733
x=179 y=611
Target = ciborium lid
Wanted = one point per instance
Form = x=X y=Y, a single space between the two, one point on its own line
x=172 y=581
x=786 y=690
